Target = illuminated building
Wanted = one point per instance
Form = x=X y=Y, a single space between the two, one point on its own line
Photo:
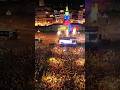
x=59 y=16
x=81 y=15
x=43 y=15
x=67 y=19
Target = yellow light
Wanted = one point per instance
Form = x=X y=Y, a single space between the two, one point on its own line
x=59 y=33
x=51 y=59
x=62 y=28
x=36 y=24
x=80 y=62
x=67 y=33
x=74 y=31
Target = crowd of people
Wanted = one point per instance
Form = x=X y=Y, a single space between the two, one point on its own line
x=93 y=68
x=65 y=68
x=63 y=51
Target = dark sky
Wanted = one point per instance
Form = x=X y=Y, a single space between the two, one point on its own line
x=17 y=6
x=74 y=4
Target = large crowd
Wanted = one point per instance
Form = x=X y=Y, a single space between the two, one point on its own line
x=65 y=69
x=66 y=52
x=52 y=70
x=68 y=70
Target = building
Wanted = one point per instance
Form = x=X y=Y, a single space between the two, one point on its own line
x=43 y=15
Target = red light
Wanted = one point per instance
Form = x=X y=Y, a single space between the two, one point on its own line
x=66 y=22
x=76 y=27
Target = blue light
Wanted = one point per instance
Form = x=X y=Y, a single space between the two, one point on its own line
x=66 y=17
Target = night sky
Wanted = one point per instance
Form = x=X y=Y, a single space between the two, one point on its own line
x=60 y=4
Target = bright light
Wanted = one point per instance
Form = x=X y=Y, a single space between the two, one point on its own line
x=55 y=62
x=52 y=59
x=80 y=62
x=46 y=12
x=66 y=13
x=67 y=33
x=67 y=22
x=62 y=28
x=65 y=41
x=38 y=31
x=81 y=21
x=51 y=16
x=74 y=31
x=61 y=11
x=59 y=33
x=36 y=24
x=64 y=50
x=52 y=80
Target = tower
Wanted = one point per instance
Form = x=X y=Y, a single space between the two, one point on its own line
x=67 y=20
x=67 y=15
